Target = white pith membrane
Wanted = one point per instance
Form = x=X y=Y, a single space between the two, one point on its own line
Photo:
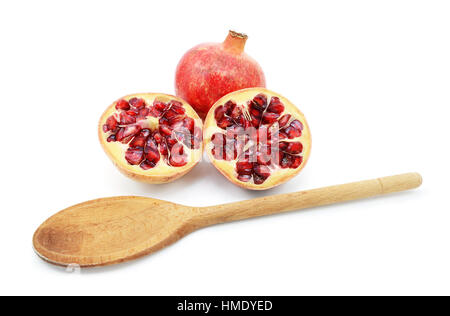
x=152 y=137
x=266 y=138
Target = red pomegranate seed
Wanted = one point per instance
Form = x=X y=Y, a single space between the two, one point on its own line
x=229 y=107
x=178 y=127
x=134 y=156
x=150 y=144
x=236 y=113
x=157 y=137
x=131 y=130
x=138 y=141
x=165 y=130
x=294 y=148
x=225 y=122
x=177 y=115
x=269 y=118
x=132 y=112
x=111 y=123
x=219 y=112
x=147 y=165
x=177 y=149
x=257 y=179
x=292 y=132
x=160 y=106
x=170 y=114
x=189 y=123
x=163 y=148
x=137 y=102
x=255 y=122
x=260 y=100
x=111 y=138
x=122 y=105
x=176 y=103
x=261 y=170
x=296 y=162
x=244 y=177
x=153 y=156
x=283 y=145
x=171 y=140
x=255 y=112
x=284 y=120
x=177 y=107
x=244 y=167
x=286 y=161
x=126 y=119
x=176 y=120
x=178 y=160
x=119 y=135
x=275 y=106
x=144 y=112
x=154 y=112
x=296 y=124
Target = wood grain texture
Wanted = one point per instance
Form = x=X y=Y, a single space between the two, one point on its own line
x=117 y=229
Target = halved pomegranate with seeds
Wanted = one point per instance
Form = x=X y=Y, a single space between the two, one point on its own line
x=256 y=138
x=152 y=137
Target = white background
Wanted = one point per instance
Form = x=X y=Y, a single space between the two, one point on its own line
x=372 y=77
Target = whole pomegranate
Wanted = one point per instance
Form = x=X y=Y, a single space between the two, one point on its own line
x=209 y=71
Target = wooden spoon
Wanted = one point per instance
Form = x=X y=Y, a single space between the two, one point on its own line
x=117 y=229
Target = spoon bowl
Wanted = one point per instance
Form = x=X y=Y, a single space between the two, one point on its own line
x=111 y=230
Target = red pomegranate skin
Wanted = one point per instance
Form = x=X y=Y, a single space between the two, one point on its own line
x=209 y=71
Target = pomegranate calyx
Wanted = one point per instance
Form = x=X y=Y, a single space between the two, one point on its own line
x=235 y=42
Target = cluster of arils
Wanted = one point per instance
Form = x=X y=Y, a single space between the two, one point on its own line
x=258 y=137
x=151 y=132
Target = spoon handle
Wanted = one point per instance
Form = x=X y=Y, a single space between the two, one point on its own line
x=305 y=199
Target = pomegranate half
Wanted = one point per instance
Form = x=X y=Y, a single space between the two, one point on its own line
x=151 y=137
x=257 y=138
x=209 y=71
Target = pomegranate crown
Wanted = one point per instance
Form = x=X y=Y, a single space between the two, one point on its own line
x=235 y=42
